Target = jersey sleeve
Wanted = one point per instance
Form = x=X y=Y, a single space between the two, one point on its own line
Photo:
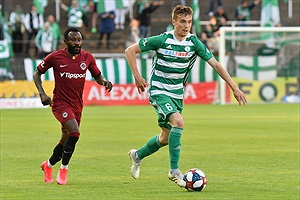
x=46 y=63
x=201 y=50
x=150 y=43
x=93 y=66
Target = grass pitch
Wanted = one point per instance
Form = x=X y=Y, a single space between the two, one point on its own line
x=247 y=152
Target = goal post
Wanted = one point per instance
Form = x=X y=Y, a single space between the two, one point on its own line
x=246 y=41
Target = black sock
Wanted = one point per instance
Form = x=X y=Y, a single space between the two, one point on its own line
x=68 y=149
x=57 y=154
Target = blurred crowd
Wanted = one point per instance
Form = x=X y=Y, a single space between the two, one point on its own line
x=218 y=18
x=42 y=34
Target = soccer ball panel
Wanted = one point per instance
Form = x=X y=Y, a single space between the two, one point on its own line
x=189 y=176
x=198 y=184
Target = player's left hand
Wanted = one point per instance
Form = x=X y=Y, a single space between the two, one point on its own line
x=108 y=85
x=140 y=83
x=240 y=97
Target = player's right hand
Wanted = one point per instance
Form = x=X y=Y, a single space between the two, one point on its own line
x=46 y=100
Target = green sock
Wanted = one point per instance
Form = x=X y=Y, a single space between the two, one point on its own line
x=174 y=146
x=149 y=148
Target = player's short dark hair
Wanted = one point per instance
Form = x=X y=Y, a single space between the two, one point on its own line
x=181 y=10
x=70 y=29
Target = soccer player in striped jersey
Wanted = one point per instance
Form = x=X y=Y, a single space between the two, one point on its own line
x=175 y=55
x=69 y=66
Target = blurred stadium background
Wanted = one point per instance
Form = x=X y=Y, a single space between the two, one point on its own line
x=266 y=73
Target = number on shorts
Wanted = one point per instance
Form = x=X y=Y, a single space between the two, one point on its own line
x=168 y=106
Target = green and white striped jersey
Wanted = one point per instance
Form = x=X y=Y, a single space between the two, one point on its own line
x=172 y=62
x=75 y=17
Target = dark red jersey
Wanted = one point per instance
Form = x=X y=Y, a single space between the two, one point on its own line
x=69 y=75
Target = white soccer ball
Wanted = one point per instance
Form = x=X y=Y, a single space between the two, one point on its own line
x=195 y=180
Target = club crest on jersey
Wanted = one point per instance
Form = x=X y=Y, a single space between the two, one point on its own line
x=83 y=65
x=65 y=115
x=187 y=48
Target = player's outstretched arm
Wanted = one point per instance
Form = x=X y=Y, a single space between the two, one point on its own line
x=238 y=94
x=45 y=99
x=130 y=54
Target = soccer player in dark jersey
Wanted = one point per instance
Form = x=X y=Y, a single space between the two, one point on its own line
x=69 y=65
x=175 y=55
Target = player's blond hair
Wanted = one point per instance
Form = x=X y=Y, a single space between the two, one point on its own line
x=181 y=10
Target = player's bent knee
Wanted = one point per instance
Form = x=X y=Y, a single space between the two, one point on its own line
x=74 y=134
x=180 y=124
x=176 y=120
